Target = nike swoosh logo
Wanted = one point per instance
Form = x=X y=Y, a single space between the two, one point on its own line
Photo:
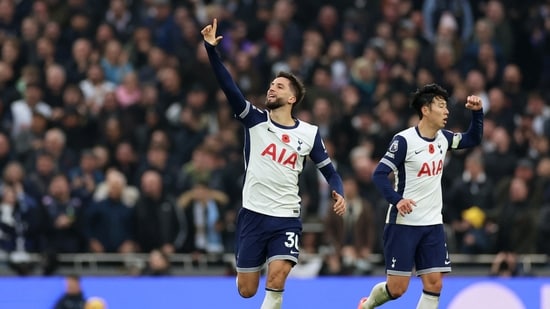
x=447 y=262
x=418 y=151
x=294 y=252
x=269 y=129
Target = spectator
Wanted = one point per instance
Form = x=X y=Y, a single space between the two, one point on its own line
x=55 y=85
x=85 y=177
x=162 y=25
x=154 y=59
x=42 y=171
x=95 y=87
x=112 y=133
x=126 y=160
x=496 y=12
x=328 y=23
x=500 y=109
x=171 y=87
x=8 y=19
x=139 y=48
x=128 y=92
x=321 y=88
x=201 y=168
x=517 y=212
x=130 y=194
x=30 y=34
x=157 y=158
x=512 y=85
x=23 y=109
x=119 y=16
x=459 y=13
x=109 y=222
x=524 y=170
x=115 y=62
x=55 y=143
x=158 y=264
x=19 y=229
x=74 y=120
x=77 y=65
x=499 y=160
x=156 y=222
x=201 y=206
x=283 y=13
x=64 y=217
x=11 y=54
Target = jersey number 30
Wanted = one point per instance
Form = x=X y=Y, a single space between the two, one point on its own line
x=291 y=240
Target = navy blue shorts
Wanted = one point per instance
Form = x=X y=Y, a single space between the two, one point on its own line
x=420 y=247
x=261 y=238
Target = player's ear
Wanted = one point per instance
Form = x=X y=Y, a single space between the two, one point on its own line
x=425 y=108
x=292 y=99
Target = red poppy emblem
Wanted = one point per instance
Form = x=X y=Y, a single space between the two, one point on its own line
x=286 y=138
x=431 y=149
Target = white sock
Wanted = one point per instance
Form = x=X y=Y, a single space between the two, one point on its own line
x=378 y=296
x=273 y=299
x=428 y=301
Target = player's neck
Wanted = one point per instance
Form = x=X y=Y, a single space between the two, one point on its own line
x=282 y=117
x=426 y=130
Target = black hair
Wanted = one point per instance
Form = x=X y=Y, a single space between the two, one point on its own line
x=295 y=84
x=425 y=96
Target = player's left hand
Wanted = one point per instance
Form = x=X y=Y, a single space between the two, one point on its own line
x=339 y=206
x=474 y=103
x=209 y=33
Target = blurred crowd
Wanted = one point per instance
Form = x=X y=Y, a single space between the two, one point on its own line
x=114 y=135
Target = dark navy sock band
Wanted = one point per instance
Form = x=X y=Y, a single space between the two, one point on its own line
x=431 y=293
x=275 y=290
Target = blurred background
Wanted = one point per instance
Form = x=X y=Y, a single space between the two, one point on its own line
x=120 y=156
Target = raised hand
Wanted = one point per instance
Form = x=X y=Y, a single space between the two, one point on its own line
x=473 y=103
x=209 y=33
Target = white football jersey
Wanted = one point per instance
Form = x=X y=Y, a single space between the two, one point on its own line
x=274 y=158
x=417 y=164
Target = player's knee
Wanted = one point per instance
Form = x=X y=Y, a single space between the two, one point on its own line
x=434 y=287
x=397 y=291
x=247 y=291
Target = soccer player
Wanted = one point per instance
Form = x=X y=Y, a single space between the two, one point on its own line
x=276 y=146
x=413 y=234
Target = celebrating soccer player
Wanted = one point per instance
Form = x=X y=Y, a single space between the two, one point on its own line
x=413 y=235
x=276 y=146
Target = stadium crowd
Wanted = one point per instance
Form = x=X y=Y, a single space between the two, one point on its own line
x=115 y=137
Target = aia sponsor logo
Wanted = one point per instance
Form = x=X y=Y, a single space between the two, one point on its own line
x=281 y=156
x=430 y=168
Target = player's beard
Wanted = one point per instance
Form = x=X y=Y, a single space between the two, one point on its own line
x=272 y=105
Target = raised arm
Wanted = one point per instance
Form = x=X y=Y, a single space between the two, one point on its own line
x=232 y=92
x=472 y=137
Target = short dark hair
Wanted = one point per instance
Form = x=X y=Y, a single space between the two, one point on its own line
x=295 y=84
x=425 y=96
